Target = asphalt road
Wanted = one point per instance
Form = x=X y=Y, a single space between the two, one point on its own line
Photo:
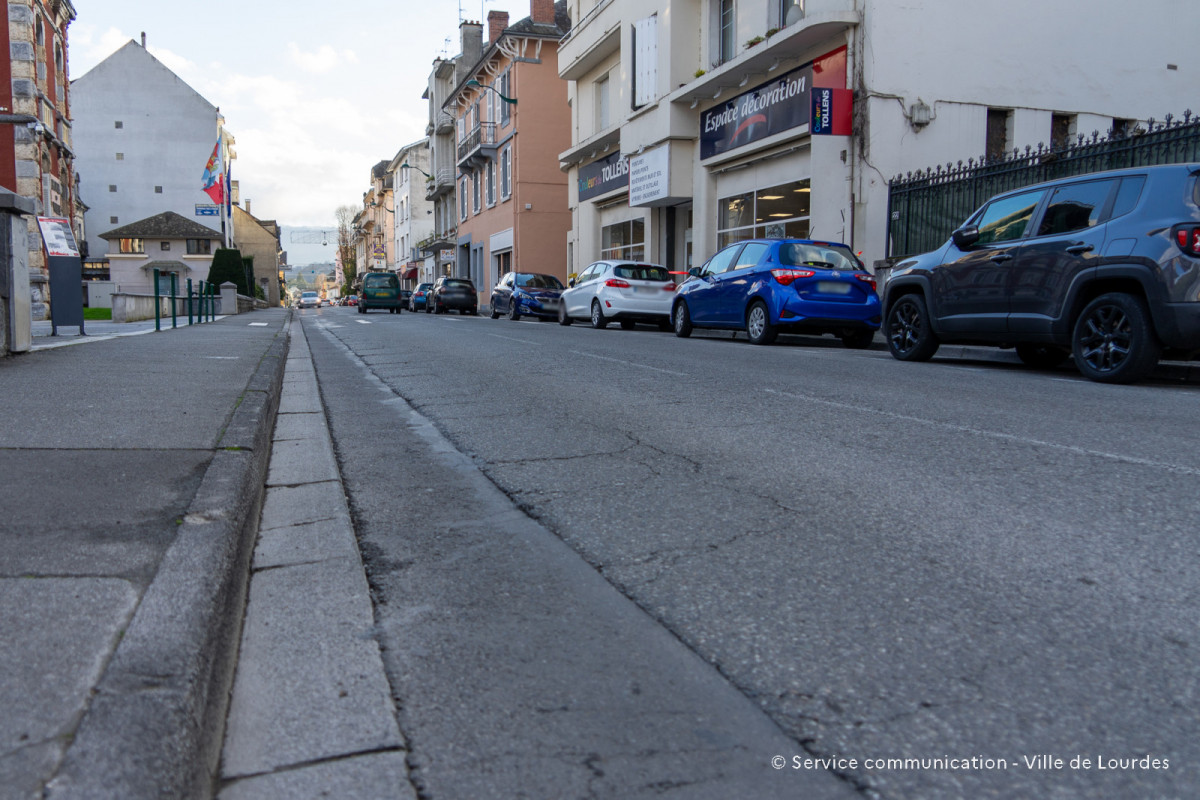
x=958 y=560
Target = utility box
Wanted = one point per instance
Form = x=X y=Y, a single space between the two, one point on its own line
x=16 y=318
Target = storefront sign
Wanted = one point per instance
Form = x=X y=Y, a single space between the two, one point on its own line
x=648 y=176
x=603 y=176
x=786 y=103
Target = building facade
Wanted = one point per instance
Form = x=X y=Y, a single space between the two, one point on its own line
x=259 y=239
x=168 y=242
x=511 y=118
x=36 y=138
x=412 y=211
x=437 y=250
x=143 y=140
x=700 y=122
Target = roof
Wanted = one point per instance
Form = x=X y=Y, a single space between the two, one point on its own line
x=560 y=28
x=166 y=266
x=167 y=225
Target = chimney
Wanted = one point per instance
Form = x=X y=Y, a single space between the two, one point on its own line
x=143 y=40
x=248 y=206
x=542 y=11
x=471 y=36
x=497 y=22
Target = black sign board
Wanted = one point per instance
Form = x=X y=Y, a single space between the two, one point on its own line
x=770 y=108
x=603 y=176
x=66 y=273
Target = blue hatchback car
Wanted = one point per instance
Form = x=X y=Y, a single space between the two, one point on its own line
x=771 y=286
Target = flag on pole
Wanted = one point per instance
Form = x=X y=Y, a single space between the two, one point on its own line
x=213 y=179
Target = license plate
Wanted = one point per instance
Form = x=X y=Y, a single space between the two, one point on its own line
x=833 y=287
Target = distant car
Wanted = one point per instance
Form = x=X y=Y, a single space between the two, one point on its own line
x=771 y=286
x=417 y=301
x=310 y=300
x=352 y=300
x=626 y=292
x=456 y=293
x=526 y=294
x=380 y=290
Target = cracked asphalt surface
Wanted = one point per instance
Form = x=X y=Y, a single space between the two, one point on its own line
x=951 y=560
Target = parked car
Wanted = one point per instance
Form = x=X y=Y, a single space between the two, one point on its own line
x=1103 y=267
x=526 y=294
x=457 y=293
x=417 y=301
x=380 y=290
x=771 y=286
x=627 y=292
x=352 y=300
x=405 y=296
x=310 y=300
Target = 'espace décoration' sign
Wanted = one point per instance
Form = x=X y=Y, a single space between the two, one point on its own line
x=603 y=176
x=779 y=105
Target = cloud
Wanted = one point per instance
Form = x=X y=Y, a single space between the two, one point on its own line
x=325 y=59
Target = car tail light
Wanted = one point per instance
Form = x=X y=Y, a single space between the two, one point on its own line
x=867 y=279
x=788 y=276
x=1188 y=239
x=617 y=283
x=669 y=287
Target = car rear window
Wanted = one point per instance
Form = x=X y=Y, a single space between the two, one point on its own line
x=642 y=272
x=381 y=280
x=800 y=254
x=460 y=284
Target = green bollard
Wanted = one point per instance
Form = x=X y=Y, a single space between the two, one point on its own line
x=189 y=302
x=157 y=307
x=174 y=307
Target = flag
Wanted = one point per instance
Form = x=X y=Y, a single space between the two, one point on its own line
x=213 y=182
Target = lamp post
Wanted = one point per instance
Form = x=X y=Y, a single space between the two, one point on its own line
x=406 y=165
x=477 y=84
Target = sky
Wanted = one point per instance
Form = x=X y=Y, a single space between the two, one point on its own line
x=315 y=93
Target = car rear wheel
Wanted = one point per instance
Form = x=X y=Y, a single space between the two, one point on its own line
x=909 y=336
x=1042 y=356
x=563 y=319
x=758 y=324
x=1114 y=341
x=598 y=320
x=682 y=320
x=858 y=339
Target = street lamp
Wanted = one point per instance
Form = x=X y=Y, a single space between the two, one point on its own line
x=406 y=165
x=473 y=82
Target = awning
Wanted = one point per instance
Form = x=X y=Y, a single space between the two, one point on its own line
x=410 y=274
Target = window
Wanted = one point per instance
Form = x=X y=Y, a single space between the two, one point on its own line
x=506 y=172
x=1124 y=127
x=158 y=190
x=1127 y=195
x=462 y=200
x=503 y=87
x=120 y=156
x=112 y=220
x=476 y=180
x=625 y=240
x=199 y=247
x=118 y=124
x=1006 y=219
x=774 y=213
x=491 y=183
x=164 y=246
x=790 y=12
x=721 y=261
x=645 y=61
x=750 y=255
x=600 y=91
x=112 y=187
x=726 y=48
x=999 y=124
x=461 y=123
x=131 y=245
x=1062 y=130
x=1075 y=207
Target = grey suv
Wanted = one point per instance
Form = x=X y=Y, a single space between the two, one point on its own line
x=1103 y=267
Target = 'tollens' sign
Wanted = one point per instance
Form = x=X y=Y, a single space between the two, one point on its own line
x=603 y=176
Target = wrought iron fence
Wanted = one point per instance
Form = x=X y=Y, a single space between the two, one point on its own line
x=925 y=207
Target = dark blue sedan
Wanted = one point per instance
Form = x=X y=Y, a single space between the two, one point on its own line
x=527 y=294
x=771 y=286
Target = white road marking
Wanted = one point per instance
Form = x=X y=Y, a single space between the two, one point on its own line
x=223 y=358
x=258 y=324
x=511 y=339
x=363 y=321
x=1006 y=437
x=629 y=363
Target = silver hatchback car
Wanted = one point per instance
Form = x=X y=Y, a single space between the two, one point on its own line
x=626 y=292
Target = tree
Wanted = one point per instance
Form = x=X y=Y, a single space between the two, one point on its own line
x=228 y=267
x=347 y=239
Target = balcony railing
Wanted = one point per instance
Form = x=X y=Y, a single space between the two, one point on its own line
x=479 y=145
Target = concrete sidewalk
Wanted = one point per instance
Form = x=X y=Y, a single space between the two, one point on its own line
x=133 y=471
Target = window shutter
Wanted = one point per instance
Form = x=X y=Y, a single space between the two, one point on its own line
x=645 y=48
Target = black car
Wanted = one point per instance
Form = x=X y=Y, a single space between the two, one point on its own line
x=452 y=293
x=527 y=294
x=1103 y=267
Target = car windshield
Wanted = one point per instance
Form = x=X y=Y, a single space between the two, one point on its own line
x=642 y=272
x=825 y=256
x=380 y=280
x=459 y=284
x=309 y=294
x=534 y=281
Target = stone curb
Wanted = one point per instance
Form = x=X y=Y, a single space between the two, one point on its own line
x=157 y=717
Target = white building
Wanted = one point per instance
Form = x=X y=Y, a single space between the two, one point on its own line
x=699 y=122
x=142 y=139
x=413 y=217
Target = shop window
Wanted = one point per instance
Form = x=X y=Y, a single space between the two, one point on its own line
x=624 y=240
x=777 y=212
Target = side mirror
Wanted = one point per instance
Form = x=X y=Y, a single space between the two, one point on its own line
x=695 y=272
x=965 y=237
x=571 y=283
